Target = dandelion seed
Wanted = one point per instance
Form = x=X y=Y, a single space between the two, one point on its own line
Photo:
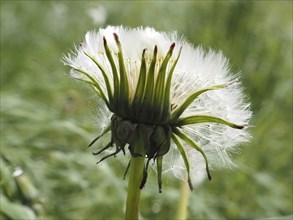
x=169 y=101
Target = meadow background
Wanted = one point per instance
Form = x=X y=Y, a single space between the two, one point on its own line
x=48 y=119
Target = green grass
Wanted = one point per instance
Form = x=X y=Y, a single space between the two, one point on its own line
x=48 y=119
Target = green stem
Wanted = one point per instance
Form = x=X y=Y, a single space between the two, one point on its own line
x=183 y=201
x=133 y=194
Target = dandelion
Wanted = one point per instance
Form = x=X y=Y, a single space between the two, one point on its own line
x=168 y=102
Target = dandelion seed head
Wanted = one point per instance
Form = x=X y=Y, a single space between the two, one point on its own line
x=205 y=117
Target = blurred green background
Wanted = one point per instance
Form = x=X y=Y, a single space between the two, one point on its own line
x=48 y=119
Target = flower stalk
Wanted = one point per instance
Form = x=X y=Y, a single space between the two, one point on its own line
x=183 y=201
x=136 y=171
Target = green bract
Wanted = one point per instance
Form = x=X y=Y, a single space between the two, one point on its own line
x=146 y=121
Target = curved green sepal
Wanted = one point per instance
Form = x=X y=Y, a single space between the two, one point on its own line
x=159 y=170
x=116 y=82
x=122 y=131
x=185 y=159
x=204 y=119
x=181 y=108
x=110 y=155
x=95 y=85
x=123 y=104
x=126 y=170
x=140 y=88
x=146 y=110
x=103 y=149
x=91 y=85
x=106 y=130
x=145 y=174
x=160 y=141
x=105 y=76
x=167 y=105
x=191 y=143
x=160 y=90
x=136 y=144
